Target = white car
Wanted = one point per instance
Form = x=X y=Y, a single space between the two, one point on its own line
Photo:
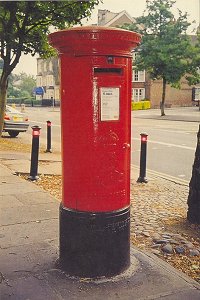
x=15 y=121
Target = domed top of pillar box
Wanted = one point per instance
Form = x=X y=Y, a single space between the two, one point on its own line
x=94 y=40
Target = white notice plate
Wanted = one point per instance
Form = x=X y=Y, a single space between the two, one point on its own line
x=109 y=103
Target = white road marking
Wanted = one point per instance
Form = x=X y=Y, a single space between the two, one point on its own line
x=166 y=144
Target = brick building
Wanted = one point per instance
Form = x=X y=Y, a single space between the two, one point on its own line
x=48 y=79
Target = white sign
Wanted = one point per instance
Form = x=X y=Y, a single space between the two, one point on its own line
x=109 y=104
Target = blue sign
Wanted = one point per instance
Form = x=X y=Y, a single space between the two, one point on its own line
x=39 y=90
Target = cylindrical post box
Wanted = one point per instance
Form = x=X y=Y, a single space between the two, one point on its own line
x=96 y=69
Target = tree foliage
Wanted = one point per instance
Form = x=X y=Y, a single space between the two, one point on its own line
x=24 y=27
x=165 y=51
x=21 y=85
x=194 y=76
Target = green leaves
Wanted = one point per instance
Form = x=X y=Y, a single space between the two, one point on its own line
x=165 y=48
x=21 y=85
x=194 y=76
x=165 y=52
x=24 y=26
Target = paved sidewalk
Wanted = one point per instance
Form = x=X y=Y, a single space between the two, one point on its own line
x=185 y=114
x=29 y=246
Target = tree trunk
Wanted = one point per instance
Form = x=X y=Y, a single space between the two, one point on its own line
x=193 y=214
x=3 y=97
x=162 y=104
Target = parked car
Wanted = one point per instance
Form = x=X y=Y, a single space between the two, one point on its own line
x=15 y=121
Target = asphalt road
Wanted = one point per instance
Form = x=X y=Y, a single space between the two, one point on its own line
x=39 y=116
x=170 y=148
x=171 y=144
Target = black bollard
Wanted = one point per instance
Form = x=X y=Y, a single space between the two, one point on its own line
x=34 y=153
x=143 y=158
x=48 y=137
x=193 y=214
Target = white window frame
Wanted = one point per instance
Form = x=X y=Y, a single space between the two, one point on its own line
x=135 y=54
x=197 y=94
x=39 y=66
x=49 y=94
x=138 y=76
x=138 y=94
x=44 y=66
x=50 y=80
x=39 y=80
x=50 y=66
x=44 y=81
x=57 y=92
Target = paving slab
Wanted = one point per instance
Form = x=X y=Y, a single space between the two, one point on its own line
x=17 y=187
x=48 y=163
x=8 y=179
x=28 y=233
x=25 y=213
x=23 y=259
x=31 y=198
x=4 y=171
x=44 y=167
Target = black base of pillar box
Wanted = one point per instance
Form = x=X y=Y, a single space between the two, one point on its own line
x=94 y=244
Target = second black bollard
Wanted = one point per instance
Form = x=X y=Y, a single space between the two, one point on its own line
x=143 y=158
x=34 y=153
x=48 y=137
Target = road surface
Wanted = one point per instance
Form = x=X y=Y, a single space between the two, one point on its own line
x=170 y=148
x=171 y=144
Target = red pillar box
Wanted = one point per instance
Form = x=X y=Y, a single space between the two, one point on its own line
x=96 y=70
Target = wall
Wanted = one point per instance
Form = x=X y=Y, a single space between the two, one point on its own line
x=174 y=97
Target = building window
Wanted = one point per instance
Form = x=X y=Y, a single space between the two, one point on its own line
x=39 y=80
x=138 y=76
x=44 y=81
x=49 y=94
x=44 y=66
x=57 y=93
x=39 y=66
x=50 y=66
x=197 y=94
x=138 y=94
x=50 y=81
x=135 y=55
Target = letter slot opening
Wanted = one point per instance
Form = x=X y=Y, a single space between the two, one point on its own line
x=114 y=71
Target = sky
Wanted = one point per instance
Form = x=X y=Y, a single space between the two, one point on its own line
x=135 y=8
